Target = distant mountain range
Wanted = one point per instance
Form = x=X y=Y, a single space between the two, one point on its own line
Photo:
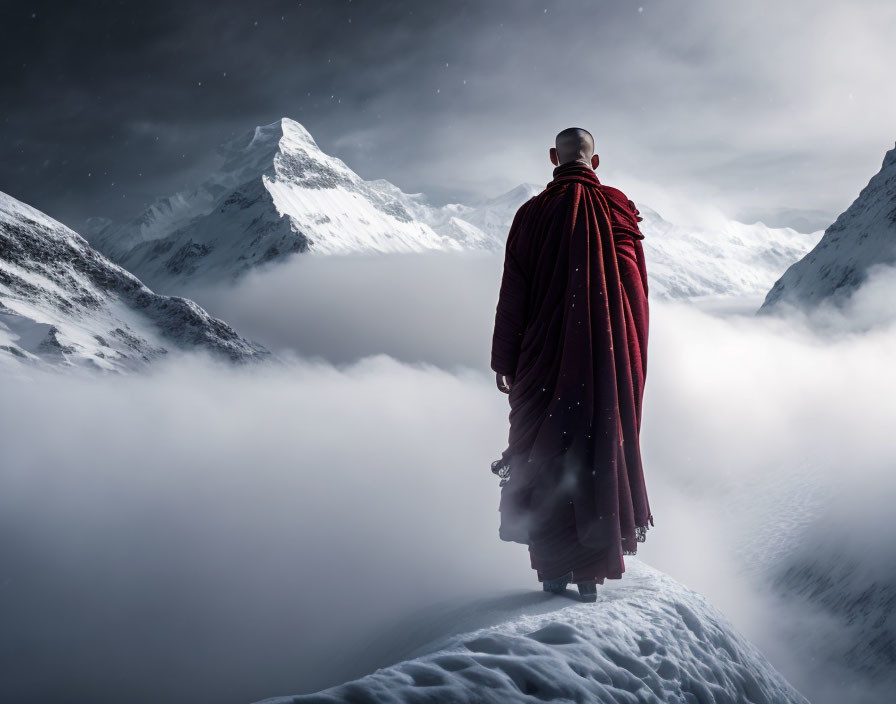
x=276 y=194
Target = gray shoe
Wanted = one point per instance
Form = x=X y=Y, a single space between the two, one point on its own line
x=587 y=591
x=558 y=585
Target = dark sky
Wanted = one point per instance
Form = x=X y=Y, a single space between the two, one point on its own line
x=756 y=108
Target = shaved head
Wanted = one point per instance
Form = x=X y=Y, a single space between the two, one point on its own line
x=574 y=144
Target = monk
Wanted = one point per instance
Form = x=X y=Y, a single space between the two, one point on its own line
x=570 y=350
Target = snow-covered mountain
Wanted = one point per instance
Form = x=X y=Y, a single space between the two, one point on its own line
x=863 y=236
x=649 y=640
x=63 y=303
x=276 y=193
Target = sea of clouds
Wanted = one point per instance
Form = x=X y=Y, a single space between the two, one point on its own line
x=210 y=532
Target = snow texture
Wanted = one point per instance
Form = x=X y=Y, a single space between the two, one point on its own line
x=63 y=304
x=647 y=639
x=864 y=236
x=277 y=194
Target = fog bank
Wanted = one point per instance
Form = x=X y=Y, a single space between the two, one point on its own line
x=202 y=531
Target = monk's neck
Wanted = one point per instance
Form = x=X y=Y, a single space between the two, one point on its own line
x=574 y=166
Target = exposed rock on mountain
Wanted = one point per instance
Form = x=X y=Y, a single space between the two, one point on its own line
x=63 y=303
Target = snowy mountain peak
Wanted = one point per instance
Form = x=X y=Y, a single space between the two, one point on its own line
x=863 y=236
x=275 y=194
x=299 y=160
x=265 y=140
x=284 y=149
x=295 y=132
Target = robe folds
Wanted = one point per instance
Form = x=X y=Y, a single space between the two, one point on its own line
x=571 y=330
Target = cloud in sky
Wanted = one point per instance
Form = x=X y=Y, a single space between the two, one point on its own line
x=766 y=110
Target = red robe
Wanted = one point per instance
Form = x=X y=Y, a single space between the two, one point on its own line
x=571 y=329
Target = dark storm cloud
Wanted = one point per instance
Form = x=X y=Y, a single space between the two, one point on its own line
x=762 y=109
x=126 y=100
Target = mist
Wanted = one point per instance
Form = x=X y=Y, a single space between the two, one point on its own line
x=435 y=307
x=208 y=532
x=236 y=533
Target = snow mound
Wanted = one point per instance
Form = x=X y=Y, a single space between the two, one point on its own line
x=862 y=237
x=649 y=639
x=64 y=304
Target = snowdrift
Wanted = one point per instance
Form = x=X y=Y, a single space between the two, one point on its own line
x=647 y=639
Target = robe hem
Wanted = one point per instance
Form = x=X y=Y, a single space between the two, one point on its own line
x=640 y=536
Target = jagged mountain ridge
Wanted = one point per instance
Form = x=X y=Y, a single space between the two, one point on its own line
x=64 y=304
x=863 y=236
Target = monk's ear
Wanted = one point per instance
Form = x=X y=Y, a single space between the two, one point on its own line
x=555 y=160
x=595 y=160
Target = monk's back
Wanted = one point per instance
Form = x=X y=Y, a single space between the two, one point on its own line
x=569 y=346
x=539 y=248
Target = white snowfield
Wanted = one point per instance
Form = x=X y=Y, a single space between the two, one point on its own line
x=648 y=639
x=864 y=236
x=277 y=194
x=62 y=304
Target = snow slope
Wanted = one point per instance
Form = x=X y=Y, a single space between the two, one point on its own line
x=64 y=304
x=863 y=236
x=647 y=639
x=275 y=194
